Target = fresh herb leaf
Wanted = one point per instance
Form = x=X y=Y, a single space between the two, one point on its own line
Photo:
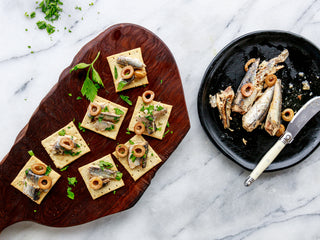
x=70 y=194
x=142 y=109
x=79 y=66
x=126 y=99
x=118 y=176
x=32 y=15
x=110 y=128
x=72 y=181
x=128 y=131
x=79 y=98
x=89 y=89
x=159 y=108
x=62 y=132
x=149 y=118
x=118 y=111
x=49 y=169
x=96 y=77
x=121 y=85
x=105 y=109
x=100 y=119
x=131 y=142
x=69 y=152
x=103 y=165
x=50 y=29
x=41 y=24
x=133 y=157
x=115 y=72
x=81 y=128
x=31 y=153
x=63 y=169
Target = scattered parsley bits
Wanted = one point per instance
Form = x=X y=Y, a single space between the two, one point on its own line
x=115 y=73
x=104 y=164
x=51 y=9
x=78 y=8
x=31 y=153
x=131 y=142
x=63 y=169
x=168 y=125
x=166 y=133
x=70 y=94
x=118 y=176
x=89 y=89
x=81 y=128
x=41 y=24
x=49 y=169
x=128 y=131
x=70 y=194
x=91 y=4
x=62 y=132
x=72 y=181
x=126 y=99
x=114 y=192
x=26 y=29
x=79 y=98
x=161 y=81
x=118 y=111
x=29 y=46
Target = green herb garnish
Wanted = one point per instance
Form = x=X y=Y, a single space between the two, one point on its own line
x=110 y=128
x=27 y=171
x=78 y=8
x=89 y=88
x=44 y=25
x=31 y=153
x=159 y=108
x=100 y=119
x=131 y=142
x=79 y=98
x=105 y=109
x=70 y=94
x=166 y=132
x=69 y=152
x=103 y=165
x=70 y=194
x=49 y=169
x=81 y=128
x=161 y=81
x=63 y=169
x=72 y=181
x=115 y=72
x=114 y=192
x=118 y=176
x=128 y=131
x=118 y=111
x=34 y=210
x=132 y=157
x=121 y=85
x=62 y=132
x=126 y=99
x=168 y=125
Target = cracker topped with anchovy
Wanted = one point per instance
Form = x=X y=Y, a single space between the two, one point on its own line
x=150 y=117
x=101 y=176
x=35 y=179
x=65 y=145
x=128 y=69
x=104 y=117
x=137 y=156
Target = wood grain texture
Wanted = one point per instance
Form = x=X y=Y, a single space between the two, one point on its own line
x=58 y=108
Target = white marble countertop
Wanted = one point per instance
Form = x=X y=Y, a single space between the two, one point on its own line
x=198 y=193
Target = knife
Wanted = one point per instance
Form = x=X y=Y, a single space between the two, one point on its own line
x=305 y=113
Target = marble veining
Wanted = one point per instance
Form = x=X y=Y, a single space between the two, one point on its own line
x=198 y=193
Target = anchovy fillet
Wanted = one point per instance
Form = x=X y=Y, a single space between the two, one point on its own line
x=253 y=118
x=273 y=119
x=122 y=60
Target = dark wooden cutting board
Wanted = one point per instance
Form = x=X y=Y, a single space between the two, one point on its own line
x=58 y=108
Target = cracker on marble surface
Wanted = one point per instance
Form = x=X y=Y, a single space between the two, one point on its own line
x=87 y=123
x=63 y=160
x=152 y=159
x=112 y=60
x=110 y=187
x=18 y=182
x=161 y=123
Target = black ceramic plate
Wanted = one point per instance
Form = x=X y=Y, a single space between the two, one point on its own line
x=227 y=68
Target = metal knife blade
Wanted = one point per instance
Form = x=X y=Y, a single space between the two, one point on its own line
x=308 y=110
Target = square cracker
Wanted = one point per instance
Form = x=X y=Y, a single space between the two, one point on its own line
x=19 y=180
x=112 y=60
x=160 y=123
x=111 y=186
x=63 y=160
x=86 y=122
x=152 y=159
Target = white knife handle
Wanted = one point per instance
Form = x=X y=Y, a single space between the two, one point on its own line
x=265 y=161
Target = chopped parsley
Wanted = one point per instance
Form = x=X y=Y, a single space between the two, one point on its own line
x=161 y=81
x=49 y=169
x=114 y=192
x=63 y=169
x=72 y=181
x=70 y=94
x=31 y=153
x=118 y=111
x=89 y=88
x=132 y=157
x=104 y=164
x=168 y=125
x=118 y=176
x=27 y=171
x=69 y=152
x=79 y=98
x=128 y=131
x=126 y=99
x=70 y=194
x=78 y=8
x=166 y=132
x=159 y=108
x=110 y=128
x=105 y=109
x=131 y=142
x=62 y=132
x=81 y=128
x=100 y=119
x=34 y=210
x=43 y=25
x=115 y=72
x=121 y=85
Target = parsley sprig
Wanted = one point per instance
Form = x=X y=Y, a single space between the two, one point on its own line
x=89 y=88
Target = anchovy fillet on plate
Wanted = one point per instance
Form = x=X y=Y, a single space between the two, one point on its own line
x=242 y=104
x=273 y=119
x=254 y=117
x=223 y=101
